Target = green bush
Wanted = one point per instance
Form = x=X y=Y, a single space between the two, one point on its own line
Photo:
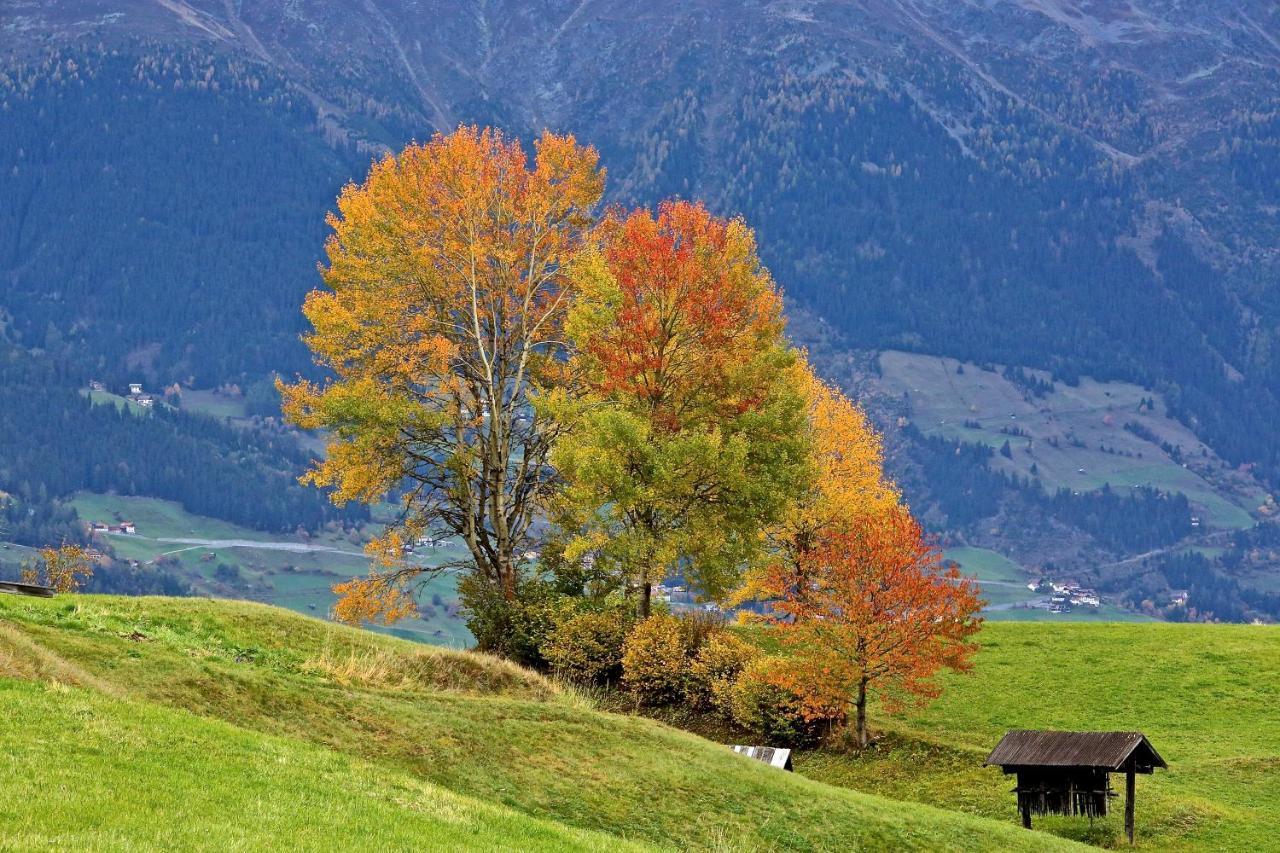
x=514 y=629
x=762 y=703
x=714 y=669
x=587 y=646
x=655 y=659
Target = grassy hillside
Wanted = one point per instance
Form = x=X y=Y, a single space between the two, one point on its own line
x=88 y=771
x=231 y=687
x=1205 y=694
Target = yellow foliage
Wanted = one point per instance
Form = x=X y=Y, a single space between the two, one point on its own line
x=442 y=320
x=848 y=454
x=655 y=660
x=849 y=483
x=64 y=569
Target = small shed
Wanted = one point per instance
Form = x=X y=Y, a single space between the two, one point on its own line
x=780 y=758
x=1068 y=773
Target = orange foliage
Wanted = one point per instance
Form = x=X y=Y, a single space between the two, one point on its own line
x=877 y=610
x=376 y=598
x=442 y=318
x=694 y=310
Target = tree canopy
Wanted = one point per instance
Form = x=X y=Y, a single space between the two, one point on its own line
x=441 y=321
x=687 y=434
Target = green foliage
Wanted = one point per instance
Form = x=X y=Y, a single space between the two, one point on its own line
x=514 y=628
x=745 y=471
x=655 y=660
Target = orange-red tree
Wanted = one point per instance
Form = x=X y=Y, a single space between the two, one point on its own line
x=879 y=612
x=441 y=320
x=687 y=438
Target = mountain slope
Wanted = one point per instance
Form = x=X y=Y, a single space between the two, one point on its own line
x=1088 y=189
x=465 y=723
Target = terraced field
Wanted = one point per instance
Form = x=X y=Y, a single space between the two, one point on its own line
x=1074 y=436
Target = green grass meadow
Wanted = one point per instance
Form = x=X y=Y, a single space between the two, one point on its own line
x=1206 y=696
x=84 y=770
x=254 y=717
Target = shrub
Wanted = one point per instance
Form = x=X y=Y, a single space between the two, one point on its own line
x=762 y=703
x=699 y=627
x=655 y=659
x=714 y=669
x=587 y=646
x=513 y=629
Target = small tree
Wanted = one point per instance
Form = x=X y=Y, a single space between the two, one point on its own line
x=879 y=612
x=63 y=569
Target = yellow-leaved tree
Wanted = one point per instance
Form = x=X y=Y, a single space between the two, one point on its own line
x=63 y=569
x=849 y=483
x=441 y=321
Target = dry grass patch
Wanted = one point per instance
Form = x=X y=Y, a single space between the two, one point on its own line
x=432 y=670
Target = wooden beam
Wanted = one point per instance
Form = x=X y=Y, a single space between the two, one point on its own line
x=1128 y=802
x=1026 y=814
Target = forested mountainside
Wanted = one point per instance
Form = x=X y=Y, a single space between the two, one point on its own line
x=56 y=441
x=1086 y=188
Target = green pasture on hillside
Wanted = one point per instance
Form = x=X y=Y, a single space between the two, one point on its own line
x=281 y=709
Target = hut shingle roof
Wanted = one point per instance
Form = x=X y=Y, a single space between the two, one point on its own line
x=1108 y=750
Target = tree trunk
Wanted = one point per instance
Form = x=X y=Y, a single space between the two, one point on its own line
x=646 y=599
x=507 y=573
x=861 y=725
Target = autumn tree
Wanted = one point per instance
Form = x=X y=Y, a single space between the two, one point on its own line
x=63 y=569
x=849 y=482
x=880 y=612
x=441 y=320
x=688 y=436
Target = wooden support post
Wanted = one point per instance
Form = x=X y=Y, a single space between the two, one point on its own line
x=1128 y=802
x=1026 y=814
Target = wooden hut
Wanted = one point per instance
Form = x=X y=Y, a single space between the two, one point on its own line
x=1068 y=773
